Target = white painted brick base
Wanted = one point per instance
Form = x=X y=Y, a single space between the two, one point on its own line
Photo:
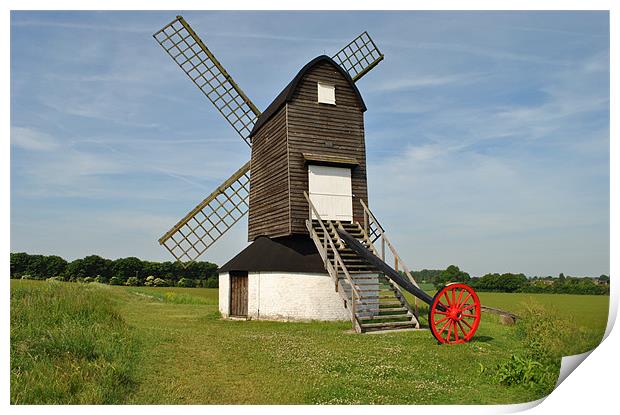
x=287 y=296
x=224 y=294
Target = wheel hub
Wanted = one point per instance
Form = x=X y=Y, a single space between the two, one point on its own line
x=455 y=313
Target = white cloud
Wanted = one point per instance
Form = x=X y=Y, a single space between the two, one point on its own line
x=488 y=213
x=81 y=26
x=492 y=53
x=499 y=187
x=32 y=139
x=416 y=81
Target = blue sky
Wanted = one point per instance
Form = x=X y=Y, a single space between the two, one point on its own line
x=487 y=133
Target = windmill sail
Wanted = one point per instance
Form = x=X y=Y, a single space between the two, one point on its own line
x=208 y=221
x=196 y=60
x=359 y=56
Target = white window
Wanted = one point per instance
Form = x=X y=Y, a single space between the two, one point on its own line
x=327 y=93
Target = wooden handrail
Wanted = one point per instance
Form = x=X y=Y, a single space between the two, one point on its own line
x=369 y=217
x=338 y=262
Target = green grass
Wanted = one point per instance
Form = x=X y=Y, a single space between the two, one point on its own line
x=587 y=312
x=176 y=295
x=189 y=355
x=68 y=345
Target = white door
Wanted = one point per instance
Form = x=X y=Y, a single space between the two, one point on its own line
x=330 y=192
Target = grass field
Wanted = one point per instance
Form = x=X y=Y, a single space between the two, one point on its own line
x=168 y=345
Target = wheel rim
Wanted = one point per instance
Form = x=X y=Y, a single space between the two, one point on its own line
x=454 y=314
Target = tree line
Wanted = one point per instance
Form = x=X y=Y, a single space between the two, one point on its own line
x=134 y=271
x=122 y=271
x=509 y=282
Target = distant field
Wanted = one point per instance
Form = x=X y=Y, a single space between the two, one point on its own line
x=185 y=354
x=588 y=311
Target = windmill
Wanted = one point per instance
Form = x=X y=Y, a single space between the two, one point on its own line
x=317 y=250
x=229 y=202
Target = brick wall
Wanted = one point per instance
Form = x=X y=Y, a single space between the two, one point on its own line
x=288 y=296
x=224 y=294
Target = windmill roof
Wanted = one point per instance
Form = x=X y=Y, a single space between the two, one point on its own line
x=287 y=93
x=293 y=253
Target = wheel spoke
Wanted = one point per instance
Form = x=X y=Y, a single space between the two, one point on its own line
x=469 y=307
x=467 y=324
x=442 y=320
x=453 y=295
x=445 y=294
x=456 y=332
x=468 y=315
x=458 y=302
x=443 y=327
x=441 y=312
x=449 y=329
x=466 y=298
x=463 y=330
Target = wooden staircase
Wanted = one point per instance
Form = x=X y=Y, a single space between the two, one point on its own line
x=375 y=302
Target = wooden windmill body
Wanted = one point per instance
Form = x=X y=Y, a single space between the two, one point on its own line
x=305 y=179
x=298 y=132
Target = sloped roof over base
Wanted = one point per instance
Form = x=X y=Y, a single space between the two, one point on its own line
x=293 y=253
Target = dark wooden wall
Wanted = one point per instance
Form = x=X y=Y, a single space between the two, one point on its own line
x=279 y=175
x=336 y=130
x=269 y=181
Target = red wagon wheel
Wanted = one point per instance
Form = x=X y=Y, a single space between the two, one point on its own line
x=454 y=315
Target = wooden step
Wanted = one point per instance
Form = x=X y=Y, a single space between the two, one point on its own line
x=374 y=310
x=386 y=317
x=337 y=240
x=392 y=310
x=355 y=275
x=370 y=271
x=364 y=282
x=354 y=263
x=375 y=297
x=385 y=304
x=381 y=291
x=353 y=260
x=344 y=253
x=363 y=278
x=354 y=266
x=386 y=325
x=347 y=249
x=368 y=287
x=378 y=301
x=367 y=315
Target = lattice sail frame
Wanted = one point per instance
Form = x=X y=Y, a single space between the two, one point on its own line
x=208 y=221
x=359 y=56
x=374 y=230
x=189 y=52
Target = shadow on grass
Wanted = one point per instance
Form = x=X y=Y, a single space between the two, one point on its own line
x=483 y=339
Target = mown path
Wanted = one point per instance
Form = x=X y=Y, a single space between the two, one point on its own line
x=190 y=356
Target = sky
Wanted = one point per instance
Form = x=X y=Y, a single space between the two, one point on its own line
x=487 y=133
